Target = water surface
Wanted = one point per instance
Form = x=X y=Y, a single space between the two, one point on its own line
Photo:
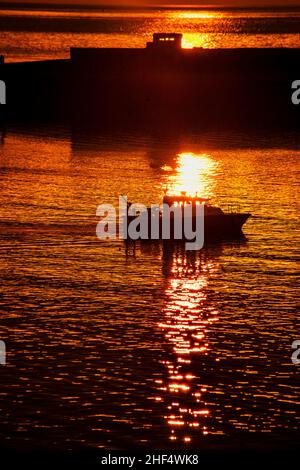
x=34 y=35
x=115 y=348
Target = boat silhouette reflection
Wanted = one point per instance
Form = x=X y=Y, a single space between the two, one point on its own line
x=188 y=314
x=186 y=317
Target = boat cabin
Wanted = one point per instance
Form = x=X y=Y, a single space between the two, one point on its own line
x=183 y=199
x=166 y=41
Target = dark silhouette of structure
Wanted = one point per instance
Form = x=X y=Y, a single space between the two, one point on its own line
x=162 y=85
x=165 y=42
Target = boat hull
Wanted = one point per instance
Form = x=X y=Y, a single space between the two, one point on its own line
x=224 y=226
x=216 y=227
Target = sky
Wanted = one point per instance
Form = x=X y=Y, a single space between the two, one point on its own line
x=236 y=3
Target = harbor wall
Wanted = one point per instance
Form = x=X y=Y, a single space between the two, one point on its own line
x=186 y=87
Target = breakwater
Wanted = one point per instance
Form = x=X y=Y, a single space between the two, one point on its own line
x=160 y=85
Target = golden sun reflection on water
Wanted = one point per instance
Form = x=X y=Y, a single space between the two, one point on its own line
x=186 y=320
x=194 y=173
x=203 y=15
x=188 y=43
x=191 y=40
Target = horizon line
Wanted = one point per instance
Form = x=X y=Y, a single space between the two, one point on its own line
x=92 y=6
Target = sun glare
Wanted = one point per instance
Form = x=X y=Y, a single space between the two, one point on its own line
x=195 y=15
x=194 y=174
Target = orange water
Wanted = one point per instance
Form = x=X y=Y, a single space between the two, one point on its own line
x=114 y=349
x=32 y=35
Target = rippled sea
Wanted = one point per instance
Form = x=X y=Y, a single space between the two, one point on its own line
x=33 y=35
x=114 y=347
x=109 y=347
